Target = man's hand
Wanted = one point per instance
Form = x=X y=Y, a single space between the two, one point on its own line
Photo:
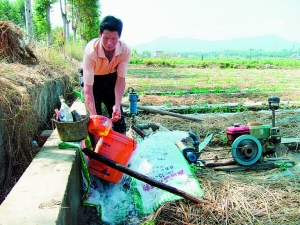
x=116 y=114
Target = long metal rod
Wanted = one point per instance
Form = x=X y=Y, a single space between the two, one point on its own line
x=142 y=177
x=164 y=112
x=220 y=150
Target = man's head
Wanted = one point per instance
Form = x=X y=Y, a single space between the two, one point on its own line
x=111 y=23
x=110 y=32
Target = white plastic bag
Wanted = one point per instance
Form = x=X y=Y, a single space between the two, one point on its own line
x=159 y=158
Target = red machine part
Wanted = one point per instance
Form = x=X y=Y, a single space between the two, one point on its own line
x=236 y=131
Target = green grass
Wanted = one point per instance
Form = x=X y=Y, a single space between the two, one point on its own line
x=75 y=50
x=222 y=63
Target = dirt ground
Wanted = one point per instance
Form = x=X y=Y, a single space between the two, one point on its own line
x=286 y=96
x=286 y=120
x=252 y=197
x=217 y=122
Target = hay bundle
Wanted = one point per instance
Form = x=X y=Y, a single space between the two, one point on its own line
x=247 y=198
x=12 y=45
x=28 y=96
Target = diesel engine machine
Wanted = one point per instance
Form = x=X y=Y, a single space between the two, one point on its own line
x=250 y=143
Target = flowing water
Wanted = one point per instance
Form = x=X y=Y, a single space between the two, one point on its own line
x=118 y=202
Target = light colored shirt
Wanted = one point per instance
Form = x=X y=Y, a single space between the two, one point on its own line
x=95 y=63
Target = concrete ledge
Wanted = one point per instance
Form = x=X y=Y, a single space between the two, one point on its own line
x=50 y=190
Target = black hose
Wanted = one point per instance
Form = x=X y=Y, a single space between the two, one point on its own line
x=195 y=141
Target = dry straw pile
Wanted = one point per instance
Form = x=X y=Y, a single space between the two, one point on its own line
x=28 y=93
x=270 y=197
x=12 y=45
x=248 y=197
x=15 y=105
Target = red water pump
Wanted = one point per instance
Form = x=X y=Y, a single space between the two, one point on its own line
x=252 y=142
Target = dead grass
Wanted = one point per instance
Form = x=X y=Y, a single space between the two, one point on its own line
x=241 y=198
x=12 y=45
x=23 y=74
x=249 y=197
x=202 y=99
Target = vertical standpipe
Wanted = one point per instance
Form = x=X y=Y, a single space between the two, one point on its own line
x=133 y=99
x=275 y=131
x=273 y=105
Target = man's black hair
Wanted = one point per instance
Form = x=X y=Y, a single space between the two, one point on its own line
x=111 y=23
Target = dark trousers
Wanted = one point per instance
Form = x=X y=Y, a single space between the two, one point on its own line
x=104 y=92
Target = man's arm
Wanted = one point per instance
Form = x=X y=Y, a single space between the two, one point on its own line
x=119 y=92
x=89 y=99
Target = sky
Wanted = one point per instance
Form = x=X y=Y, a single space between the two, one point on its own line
x=146 y=20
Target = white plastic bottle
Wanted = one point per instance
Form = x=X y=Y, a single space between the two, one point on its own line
x=66 y=115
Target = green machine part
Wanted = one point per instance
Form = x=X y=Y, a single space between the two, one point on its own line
x=260 y=132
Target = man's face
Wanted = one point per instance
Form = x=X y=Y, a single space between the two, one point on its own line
x=109 y=39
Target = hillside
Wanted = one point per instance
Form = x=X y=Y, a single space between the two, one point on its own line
x=266 y=43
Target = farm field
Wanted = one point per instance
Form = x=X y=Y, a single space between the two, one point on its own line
x=251 y=83
x=252 y=196
x=270 y=196
x=242 y=197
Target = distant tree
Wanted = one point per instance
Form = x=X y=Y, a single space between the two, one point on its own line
x=89 y=19
x=29 y=21
x=75 y=17
x=13 y=11
x=66 y=21
x=84 y=17
x=42 y=20
x=134 y=53
x=147 y=54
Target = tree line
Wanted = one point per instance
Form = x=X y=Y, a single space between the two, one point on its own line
x=252 y=54
x=82 y=17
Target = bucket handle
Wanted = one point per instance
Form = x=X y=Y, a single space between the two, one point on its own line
x=53 y=124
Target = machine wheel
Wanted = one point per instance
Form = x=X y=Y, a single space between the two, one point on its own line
x=246 y=150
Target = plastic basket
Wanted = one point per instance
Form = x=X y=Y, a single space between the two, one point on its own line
x=72 y=131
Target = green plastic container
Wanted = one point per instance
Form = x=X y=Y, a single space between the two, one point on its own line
x=260 y=132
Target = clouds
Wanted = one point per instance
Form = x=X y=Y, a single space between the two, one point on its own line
x=275 y=23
